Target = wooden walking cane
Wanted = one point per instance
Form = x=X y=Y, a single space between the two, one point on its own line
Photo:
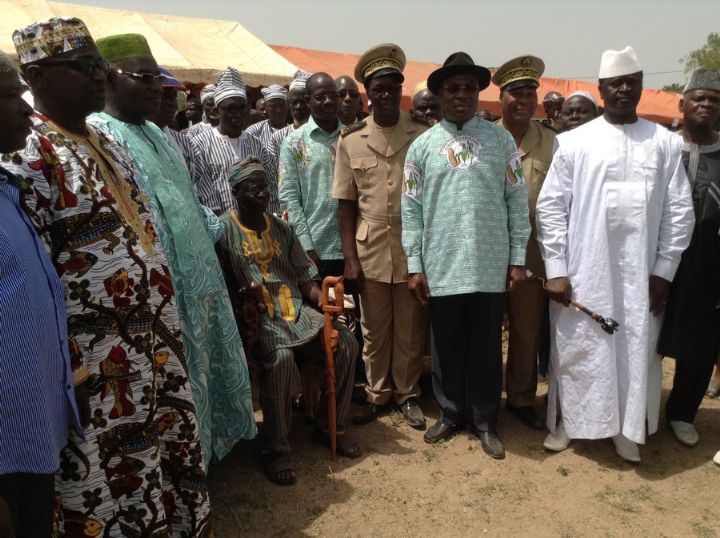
x=330 y=340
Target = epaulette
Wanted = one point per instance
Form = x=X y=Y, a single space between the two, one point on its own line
x=421 y=120
x=352 y=128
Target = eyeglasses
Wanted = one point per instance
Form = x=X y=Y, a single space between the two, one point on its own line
x=86 y=66
x=146 y=78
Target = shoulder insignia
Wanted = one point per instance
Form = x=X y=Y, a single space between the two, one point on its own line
x=352 y=128
x=421 y=120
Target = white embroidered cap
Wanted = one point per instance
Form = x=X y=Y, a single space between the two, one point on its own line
x=617 y=63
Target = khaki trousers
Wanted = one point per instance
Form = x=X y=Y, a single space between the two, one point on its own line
x=525 y=312
x=394 y=326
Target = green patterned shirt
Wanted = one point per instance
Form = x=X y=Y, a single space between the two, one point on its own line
x=306 y=171
x=464 y=208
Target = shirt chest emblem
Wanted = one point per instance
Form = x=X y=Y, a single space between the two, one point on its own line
x=301 y=153
x=462 y=152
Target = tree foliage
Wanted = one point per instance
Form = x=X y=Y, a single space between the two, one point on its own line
x=674 y=87
x=707 y=57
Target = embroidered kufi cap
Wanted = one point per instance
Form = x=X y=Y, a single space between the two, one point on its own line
x=380 y=60
x=618 y=63
x=122 y=46
x=230 y=84
x=274 y=91
x=521 y=72
x=703 y=79
x=50 y=38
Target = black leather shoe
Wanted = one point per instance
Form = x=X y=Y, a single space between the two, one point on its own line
x=413 y=414
x=440 y=431
x=491 y=445
x=528 y=416
x=368 y=413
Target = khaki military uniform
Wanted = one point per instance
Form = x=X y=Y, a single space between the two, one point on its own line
x=525 y=306
x=369 y=170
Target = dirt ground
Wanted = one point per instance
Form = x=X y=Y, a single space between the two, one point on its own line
x=402 y=486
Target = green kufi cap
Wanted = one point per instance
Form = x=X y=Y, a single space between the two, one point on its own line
x=119 y=47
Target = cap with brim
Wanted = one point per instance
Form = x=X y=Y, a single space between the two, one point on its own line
x=384 y=59
x=51 y=37
x=703 y=79
x=168 y=80
x=458 y=63
x=123 y=46
x=521 y=72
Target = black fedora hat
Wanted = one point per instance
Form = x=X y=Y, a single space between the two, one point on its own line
x=458 y=63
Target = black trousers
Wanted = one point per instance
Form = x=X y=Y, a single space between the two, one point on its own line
x=467 y=354
x=689 y=386
x=30 y=499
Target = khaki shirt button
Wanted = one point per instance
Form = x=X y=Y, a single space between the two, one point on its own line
x=388 y=226
x=389 y=204
x=389 y=181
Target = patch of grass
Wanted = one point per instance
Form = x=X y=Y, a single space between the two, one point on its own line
x=430 y=455
x=564 y=471
x=630 y=500
x=396 y=419
x=702 y=531
x=492 y=488
x=618 y=500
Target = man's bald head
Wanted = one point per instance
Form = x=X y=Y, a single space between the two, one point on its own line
x=350 y=103
x=425 y=104
x=317 y=79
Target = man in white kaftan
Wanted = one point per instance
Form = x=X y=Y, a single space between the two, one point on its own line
x=613 y=218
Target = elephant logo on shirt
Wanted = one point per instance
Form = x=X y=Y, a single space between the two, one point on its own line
x=462 y=152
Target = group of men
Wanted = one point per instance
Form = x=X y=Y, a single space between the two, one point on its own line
x=133 y=257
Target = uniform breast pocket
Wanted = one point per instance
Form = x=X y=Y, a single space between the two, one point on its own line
x=364 y=169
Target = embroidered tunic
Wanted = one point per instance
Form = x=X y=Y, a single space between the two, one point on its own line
x=216 y=360
x=139 y=470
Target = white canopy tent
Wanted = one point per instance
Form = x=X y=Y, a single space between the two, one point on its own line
x=195 y=50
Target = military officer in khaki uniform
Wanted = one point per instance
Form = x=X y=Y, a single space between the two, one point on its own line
x=368 y=183
x=518 y=80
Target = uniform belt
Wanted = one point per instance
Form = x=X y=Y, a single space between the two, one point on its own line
x=381 y=219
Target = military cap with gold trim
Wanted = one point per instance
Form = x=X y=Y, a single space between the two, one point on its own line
x=380 y=60
x=523 y=71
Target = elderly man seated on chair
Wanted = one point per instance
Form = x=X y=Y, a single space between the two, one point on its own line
x=258 y=247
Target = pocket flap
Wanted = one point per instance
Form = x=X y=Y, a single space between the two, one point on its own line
x=363 y=163
x=362 y=231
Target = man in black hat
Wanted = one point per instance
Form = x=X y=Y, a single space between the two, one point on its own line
x=518 y=80
x=465 y=228
x=368 y=183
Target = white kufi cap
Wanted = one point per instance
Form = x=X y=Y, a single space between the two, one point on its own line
x=618 y=63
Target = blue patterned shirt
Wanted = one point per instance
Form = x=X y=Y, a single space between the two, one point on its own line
x=464 y=207
x=37 y=397
x=305 y=172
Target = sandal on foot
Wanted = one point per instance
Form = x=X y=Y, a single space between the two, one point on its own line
x=347 y=451
x=279 y=469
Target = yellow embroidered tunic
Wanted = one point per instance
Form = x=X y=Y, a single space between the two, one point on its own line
x=276 y=259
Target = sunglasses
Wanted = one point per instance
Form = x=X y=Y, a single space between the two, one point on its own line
x=146 y=78
x=86 y=66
